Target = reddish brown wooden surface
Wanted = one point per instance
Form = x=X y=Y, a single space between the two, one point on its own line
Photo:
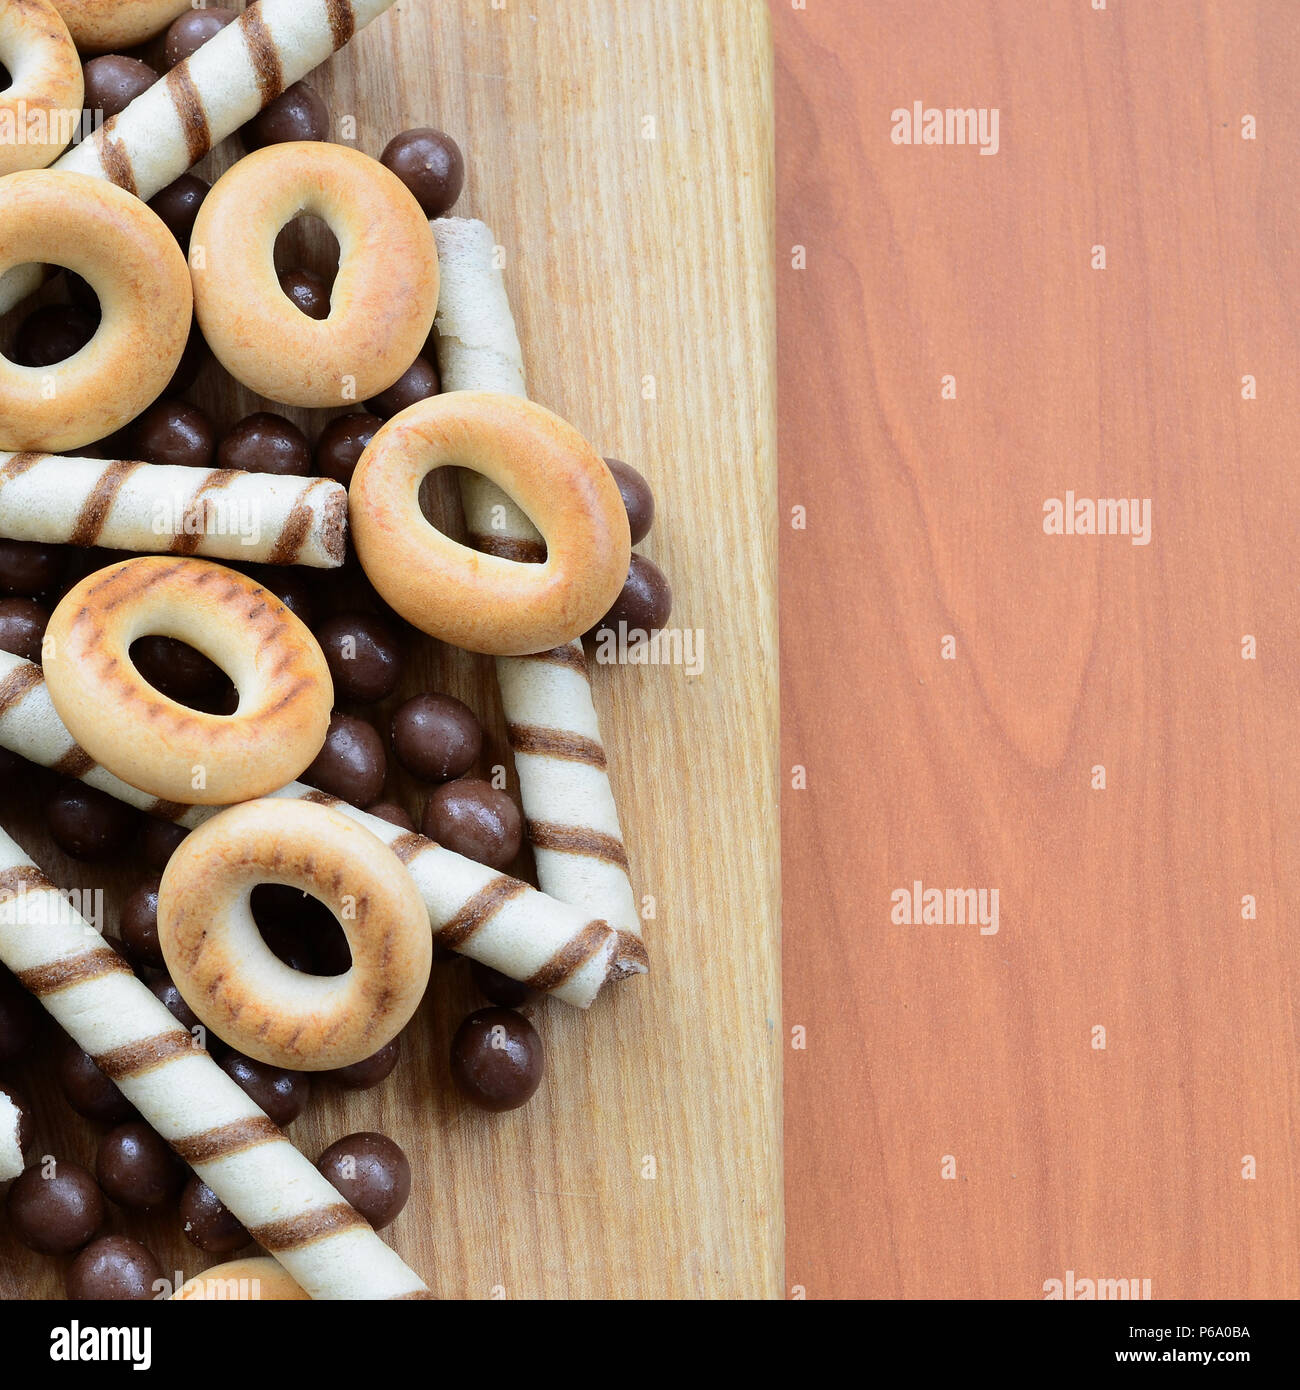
x=1119 y=907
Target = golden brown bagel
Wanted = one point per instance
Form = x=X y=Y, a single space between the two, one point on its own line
x=384 y=299
x=41 y=110
x=248 y=1281
x=164 y=748
x=482 y=602
x=234 y=982
x=132 y=262
x=102 y=26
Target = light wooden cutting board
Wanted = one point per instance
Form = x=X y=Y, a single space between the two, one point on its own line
x=622 y=152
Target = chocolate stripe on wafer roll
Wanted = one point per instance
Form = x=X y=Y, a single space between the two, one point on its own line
x=269 y=1186
x=170 y=127
x=472 y=909
x=159 y=509
x=563 y=778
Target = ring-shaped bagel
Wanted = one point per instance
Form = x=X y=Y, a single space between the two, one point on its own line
x=132 y=262
x=481 y=602
x=40 y=111
x=384 y=298
x=167 y=749
x=243 y=1281
x=236 y=984
x=103 y=26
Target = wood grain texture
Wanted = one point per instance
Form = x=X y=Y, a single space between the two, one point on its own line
x=1123 y=907
x=628 y=257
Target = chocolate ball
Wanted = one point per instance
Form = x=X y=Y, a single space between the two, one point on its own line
x=28 y=567
x=292 y=588
x=196 y=356
x=54 y=333
x=178 y=205
x=136 y=1169
x=139 y=927
x=393 y=814
x=351 y=765
x=22 y=627
x=170 y=996
x=301 y=930
x=177 y=670
x=159 y=840
x=191 y=31
x=372 y=1173
x=645 y=603
x=342 y=442
x=90 y=1093
x=208 y=1222
x=113 y=82
x=299 y=114
x=496 y=1059
x=26 y=1119
x=20 y=1018
x=430 y=163
x=282 y=1094
x=89 y=824
x=436 y=737
x=473 y=818
x=266 y=443
x=361 y=1076
x=417 y=383
x=58 y=1214
x=309 y=291
x=364 y=654
x=501 y=989
x=114 y=1269
x=174 y=432
x=638 y=500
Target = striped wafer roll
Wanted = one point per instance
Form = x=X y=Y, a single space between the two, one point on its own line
x=169 y=128
x=563 y=775
x=287 y=1206
x=159 y=509
x=555 y=947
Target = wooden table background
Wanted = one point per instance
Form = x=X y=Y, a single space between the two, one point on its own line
x=1120 y=908
x=621 y=150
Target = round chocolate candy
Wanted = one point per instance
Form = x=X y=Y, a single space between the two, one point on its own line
x=436 y=737
x=196 y=356
x=417 y=383
x=191 y=31
x=473 y=818
x=136 y=1169
x=342 y=442
x=430 y=163
x=292 y=588
x=500 y=989
x=90 y=1093
x=351 y=765
x=361 y=1076
x=289 y=943
x=159 y=840
x=139 y=927
x=55 y=1212
x=113 y=82
x=20 y=1018
x=282 y=1094
x=309 y=291
x=393 y=814
x=372 y=1173
x=638 y=500
x=208 y=1222
x=54 y=333
x=298 y=114
x=89 y=824
x=114 y=1269
x=177 y=670
x=22 y=627
x=364 y=654
x=178 y=205
x=164 y=987
x=645 y=603
x=174 y=432
x=266 y=443
x=26 y=1119
x=496 y=1059
x=28 y=567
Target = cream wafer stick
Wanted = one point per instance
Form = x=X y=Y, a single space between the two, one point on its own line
x=563 y=775
x=201 y=101
x=557 y=948
x=287 y=1206
x=159 y=509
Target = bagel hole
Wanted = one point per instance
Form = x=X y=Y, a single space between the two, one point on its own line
x=183 y=674
x=6 y=79
x=440 y=505
x=300 y=930
x=307 y=243
x=52 y=325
